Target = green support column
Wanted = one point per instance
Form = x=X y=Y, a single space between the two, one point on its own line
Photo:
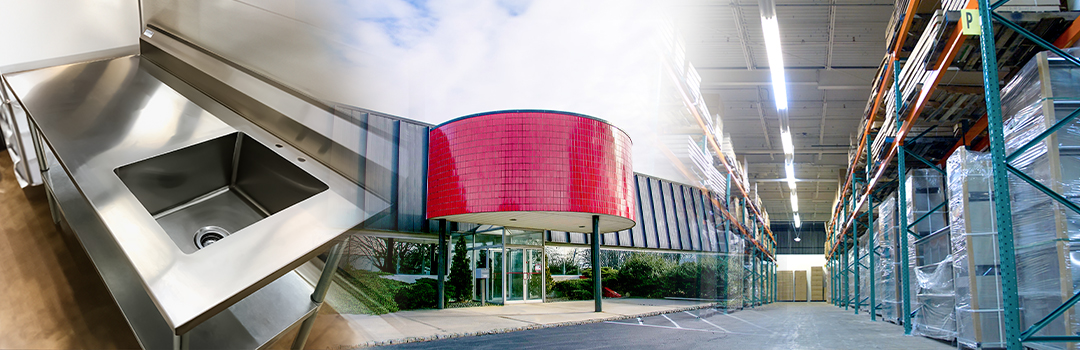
x=832 y=281
x=870 y=235
x=598 y=292
x=901 y=170
x=837 y=287
x=754 y=277
x=1002 y=207
x=847 y=274
x=855 y=247
x=727 y=223
x=441 y=283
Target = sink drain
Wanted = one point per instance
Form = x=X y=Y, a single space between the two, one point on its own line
x=208 y=235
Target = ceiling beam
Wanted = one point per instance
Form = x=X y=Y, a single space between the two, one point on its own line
x=796 y=180
x=761 y=116
x=744 y=39
x=832 y=34
x=824 y=79
x=815 y=150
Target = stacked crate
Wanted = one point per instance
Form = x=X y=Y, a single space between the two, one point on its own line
x=885 y=242
x=975 y=253
x=817 y=283
x=785 y=285
x=931 y=275
x=800 y=285
x=1045 y=90
x=910 y=81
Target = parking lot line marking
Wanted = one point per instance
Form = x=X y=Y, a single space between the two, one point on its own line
x=681 y=329
x=665 y=327
x=748 y=322
x=670 y=320
x=714 y=325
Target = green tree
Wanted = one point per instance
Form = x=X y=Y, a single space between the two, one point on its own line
x=461 y=279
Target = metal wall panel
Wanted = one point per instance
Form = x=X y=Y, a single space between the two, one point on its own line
x=686 y=218
x=648 y=218
x=412 y=176
x=659 y=213
x=694 y=229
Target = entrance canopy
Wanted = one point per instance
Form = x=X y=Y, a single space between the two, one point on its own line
x=531 y=169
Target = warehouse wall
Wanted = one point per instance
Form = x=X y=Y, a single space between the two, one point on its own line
x=51 y=32
x=799 y=261
x=811 y=237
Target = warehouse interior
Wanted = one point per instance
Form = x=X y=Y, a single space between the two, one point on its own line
x=819 y=174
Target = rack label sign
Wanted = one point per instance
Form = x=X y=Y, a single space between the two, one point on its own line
x=969 y=21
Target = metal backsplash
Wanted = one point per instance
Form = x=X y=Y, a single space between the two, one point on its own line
x=315 y=34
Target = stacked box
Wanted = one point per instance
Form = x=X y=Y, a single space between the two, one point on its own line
x=828 y=280
x=885 y=242
x=931 y=274
x=1046 y=90
x=975 y=253
x=817 y=283
x=800 y=285
x=785 y=285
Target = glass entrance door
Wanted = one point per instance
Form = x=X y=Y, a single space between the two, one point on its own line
x=525 y=274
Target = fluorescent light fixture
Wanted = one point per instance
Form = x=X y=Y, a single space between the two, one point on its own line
x=794 y=202
x=771 y=28
x=785 y=139
x=789 y=171
x=798 y=223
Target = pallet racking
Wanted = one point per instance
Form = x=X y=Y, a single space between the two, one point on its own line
x=1005 y=42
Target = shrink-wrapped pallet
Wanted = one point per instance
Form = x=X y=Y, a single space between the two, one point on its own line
x=975 y=252
x=929 y=260
x=885 y=241
x=1046 y=90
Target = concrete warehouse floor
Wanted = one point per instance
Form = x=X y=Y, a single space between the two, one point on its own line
x=775 y=326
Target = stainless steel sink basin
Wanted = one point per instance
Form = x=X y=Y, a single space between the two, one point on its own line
x=205 y=192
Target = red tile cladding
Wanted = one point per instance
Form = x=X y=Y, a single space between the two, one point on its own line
x=529 y=161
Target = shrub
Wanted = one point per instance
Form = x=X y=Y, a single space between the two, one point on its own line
x=460 y=282
x=643 y=275
x=420 y=295
x=688 y=280
x=373 y=294
x=607 y=275
x=579 y=289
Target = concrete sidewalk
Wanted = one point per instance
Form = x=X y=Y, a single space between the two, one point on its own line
x=342 y=331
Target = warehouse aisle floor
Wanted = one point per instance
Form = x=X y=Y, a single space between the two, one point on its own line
x=816 y=326
x=50 y=295
x=824 y=326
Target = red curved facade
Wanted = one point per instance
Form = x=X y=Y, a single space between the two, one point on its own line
x=531 y=169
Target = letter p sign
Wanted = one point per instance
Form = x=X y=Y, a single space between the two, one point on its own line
x=969 y=21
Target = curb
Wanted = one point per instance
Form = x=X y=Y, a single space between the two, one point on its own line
x=524 y=328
